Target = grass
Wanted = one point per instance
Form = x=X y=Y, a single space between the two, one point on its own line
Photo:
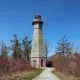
x=63 y=76
x=58 y=75
x=26 y=75
x=54 y=72
x=33 y=74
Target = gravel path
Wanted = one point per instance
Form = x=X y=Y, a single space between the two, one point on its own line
x=47 y=75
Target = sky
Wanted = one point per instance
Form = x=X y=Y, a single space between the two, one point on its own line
x=61 y=17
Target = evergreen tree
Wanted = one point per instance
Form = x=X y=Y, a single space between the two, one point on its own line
x=26 y=48
x=16 y=47
x=64 y=47
x=4 y=50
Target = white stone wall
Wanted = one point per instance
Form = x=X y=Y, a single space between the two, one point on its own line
x=35 y=64
x=38 y=61
x=37 y=51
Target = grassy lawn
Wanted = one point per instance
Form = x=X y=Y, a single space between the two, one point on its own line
x=26 y=75
x=31 y=75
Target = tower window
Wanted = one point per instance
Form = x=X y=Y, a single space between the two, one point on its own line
x=34 y=60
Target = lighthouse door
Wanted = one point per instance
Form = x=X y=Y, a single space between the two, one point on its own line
x=42 y=63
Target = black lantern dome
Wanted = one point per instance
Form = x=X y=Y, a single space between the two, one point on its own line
x=37 y=19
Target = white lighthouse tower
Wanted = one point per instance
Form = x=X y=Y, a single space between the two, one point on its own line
x=38 y=55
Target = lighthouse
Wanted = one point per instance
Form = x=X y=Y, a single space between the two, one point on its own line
x=38 y=54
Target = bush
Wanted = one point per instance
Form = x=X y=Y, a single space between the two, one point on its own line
x=4 y=65
x=60 y=63
x=8 y=66
x=68 y=65
x=74 y=65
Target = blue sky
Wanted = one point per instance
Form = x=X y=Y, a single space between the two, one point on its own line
x=61 y=17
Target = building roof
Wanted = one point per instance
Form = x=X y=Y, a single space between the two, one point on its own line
x=37 y=19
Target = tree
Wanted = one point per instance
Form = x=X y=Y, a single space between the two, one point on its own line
x=26 y=48
x=16 y=47
x=64 y=47
x=48 y=50
x=4 y=50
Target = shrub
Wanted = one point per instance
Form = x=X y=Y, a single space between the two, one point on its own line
x=60 y=63
x=74 y=65
x=8 y=66
x=69 y=65
x=4 y=65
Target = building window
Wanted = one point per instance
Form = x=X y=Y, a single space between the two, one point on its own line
x=34 y=63
x=34 y=60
